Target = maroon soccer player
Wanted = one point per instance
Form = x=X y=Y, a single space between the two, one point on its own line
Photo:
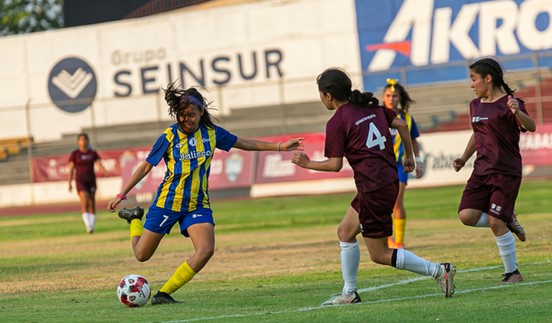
x=82 y=160
x=359 y=131
x=490 y=193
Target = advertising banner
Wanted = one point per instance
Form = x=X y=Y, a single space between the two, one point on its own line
x=536 y=147
x=419 y=33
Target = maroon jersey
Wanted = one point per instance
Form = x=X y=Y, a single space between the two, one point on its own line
x=361 y=134
x=84 y=164
x=496 y=131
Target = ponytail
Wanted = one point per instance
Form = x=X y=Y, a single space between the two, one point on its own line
x=363 y=98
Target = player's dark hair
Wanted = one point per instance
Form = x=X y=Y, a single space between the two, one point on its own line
x=489 y=66
x=406 y=101
x=179 y=99
x=339 y=85
x=85 y=136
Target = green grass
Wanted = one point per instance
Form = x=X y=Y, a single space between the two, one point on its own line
x=276 y=261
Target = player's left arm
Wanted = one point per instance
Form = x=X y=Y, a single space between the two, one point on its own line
x=526 y=121
x=332 y=164
x=416 y=148
x=101 y=167
x=259 y=145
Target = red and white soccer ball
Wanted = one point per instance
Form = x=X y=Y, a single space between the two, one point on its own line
x=133 y=290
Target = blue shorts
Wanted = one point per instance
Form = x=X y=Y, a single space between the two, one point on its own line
x=161 y=221
x=403 y=177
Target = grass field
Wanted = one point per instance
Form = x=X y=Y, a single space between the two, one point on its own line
x=276 y=261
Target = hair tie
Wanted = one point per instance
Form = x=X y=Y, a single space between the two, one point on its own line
x=392 y=83
x=191 y=99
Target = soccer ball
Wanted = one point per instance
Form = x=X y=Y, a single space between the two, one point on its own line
x=133 y=290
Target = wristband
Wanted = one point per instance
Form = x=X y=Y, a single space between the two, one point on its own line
x=121 y=196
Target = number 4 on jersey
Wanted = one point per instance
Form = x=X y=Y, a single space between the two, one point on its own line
x=375 y=138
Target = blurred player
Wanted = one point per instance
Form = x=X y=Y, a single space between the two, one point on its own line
x=187 y=147
x=397 y=99
x=490 y=194
x=83 y=160
x=359 y=131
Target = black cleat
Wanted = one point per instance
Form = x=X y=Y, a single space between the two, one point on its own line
x=163 y=298
x=130 y=214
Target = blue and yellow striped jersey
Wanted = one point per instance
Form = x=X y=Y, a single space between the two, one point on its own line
x=188 y=159
x=398 y=146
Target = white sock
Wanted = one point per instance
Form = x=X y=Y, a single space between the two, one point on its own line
x=86 y=220
x=409 y=261
x=92 y=221
x=350 y=259
x=507 y=249
x=483 y=221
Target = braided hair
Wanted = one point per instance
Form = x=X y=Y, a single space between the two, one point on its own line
x=489 y=66
x=336 y=82
x=179 y=99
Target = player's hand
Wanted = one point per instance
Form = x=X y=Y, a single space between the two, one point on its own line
x=408 y=164
x=300 y=159
x=419 y=170
x=70 y=188
x=293 y=144
x=513 y=104
x=458 y=163
x=112 y=205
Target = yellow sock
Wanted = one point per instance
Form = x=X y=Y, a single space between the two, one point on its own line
x=181 y=276
x=399 y=225
x=136 y=228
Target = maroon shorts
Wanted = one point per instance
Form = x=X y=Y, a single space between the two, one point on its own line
x=375 y=209
x=89 y=187
x=494 y=194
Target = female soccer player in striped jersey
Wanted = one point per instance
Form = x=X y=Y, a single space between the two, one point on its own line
x=359 y=131
x=490 y=194
x=187 y=147
x=396 y=98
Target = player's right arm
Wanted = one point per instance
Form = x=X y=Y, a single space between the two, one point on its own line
x=71 y=171
x=136 y=177
x=458 y=163
x=332 y=164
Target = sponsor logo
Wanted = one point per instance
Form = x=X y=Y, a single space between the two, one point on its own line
x=195 y=154
x=438 y=31
x=196 y=215
x=477 y=119
x=495 y=208
x=364 y=119
x=72 y=85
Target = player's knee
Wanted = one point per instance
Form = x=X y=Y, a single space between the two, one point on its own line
x=378 y=258
x=467 y=219
x=345 y=234
x=206 y=252
x=141 y=256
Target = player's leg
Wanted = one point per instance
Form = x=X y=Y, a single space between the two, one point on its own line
x=145 y=238
x=475 y=199
x=501 y=208
x=376 y=227
x=92 y=209
x=399 y=217
x=347 y=232
x=199 y=226
x=84 y=201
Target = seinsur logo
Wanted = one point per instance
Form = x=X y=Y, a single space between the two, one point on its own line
x=427 y=33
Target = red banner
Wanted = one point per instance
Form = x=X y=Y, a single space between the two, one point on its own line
x=536 y=147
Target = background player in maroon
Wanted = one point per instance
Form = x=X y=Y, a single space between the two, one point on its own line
x=490 y=194
x=359 y=131
x=83 y=160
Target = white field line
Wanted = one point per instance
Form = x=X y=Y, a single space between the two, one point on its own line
x=388 y=300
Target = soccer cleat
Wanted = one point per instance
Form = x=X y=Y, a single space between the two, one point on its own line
x=163 y=298
x=130 y=214
x=513 y=277
x=446 y=278
x=343 y=299
x=516 y=228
